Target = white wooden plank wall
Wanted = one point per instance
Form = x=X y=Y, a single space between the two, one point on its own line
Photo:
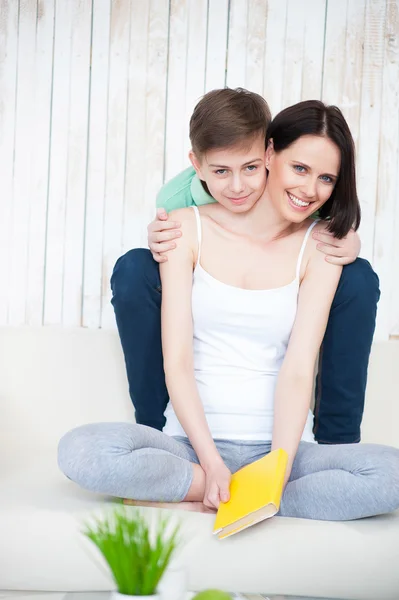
x=95 y=98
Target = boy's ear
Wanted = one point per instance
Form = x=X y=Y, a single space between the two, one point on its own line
x=196 y=164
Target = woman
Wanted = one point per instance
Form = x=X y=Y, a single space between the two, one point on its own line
x=240 y=340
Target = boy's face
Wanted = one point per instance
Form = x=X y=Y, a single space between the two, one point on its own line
x=235 y=176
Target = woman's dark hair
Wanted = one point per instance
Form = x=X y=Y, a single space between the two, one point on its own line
x=312 y=117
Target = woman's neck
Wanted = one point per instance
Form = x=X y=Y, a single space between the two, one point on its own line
x=262 y=221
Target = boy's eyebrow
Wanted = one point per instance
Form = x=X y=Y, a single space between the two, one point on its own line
x=250 y=162
x=299 y=162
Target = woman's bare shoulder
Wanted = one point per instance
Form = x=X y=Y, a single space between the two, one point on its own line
x=182 y=215
x=312 y=254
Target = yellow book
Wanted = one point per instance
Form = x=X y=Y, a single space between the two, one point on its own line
x=255 y=494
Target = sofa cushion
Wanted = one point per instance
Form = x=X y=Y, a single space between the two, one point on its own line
x=54 y=379
x=41 y=515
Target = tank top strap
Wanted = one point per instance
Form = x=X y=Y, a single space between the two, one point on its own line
x=302 y=250
x=199 y=232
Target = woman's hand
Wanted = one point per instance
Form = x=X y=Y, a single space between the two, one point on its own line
x=161 y=234
x=339 y=252
x=217 y=484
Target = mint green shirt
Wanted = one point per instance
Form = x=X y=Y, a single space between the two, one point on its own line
x=183 y=190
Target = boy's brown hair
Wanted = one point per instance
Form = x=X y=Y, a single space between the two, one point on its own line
x=227 y=117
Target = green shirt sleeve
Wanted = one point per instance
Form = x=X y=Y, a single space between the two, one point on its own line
x=176 y=193
x=183 y=190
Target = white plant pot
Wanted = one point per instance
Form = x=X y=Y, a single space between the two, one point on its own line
x=118 y=596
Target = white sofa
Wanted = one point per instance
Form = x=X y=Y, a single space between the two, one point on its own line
x=54 y=379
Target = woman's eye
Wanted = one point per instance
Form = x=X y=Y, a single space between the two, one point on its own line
x=252 y=168
x=299 y=168
x=327 y=179
x=220 y=171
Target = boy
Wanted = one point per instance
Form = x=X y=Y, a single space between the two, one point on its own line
x=231 y=119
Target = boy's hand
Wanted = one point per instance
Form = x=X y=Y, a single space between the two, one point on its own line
x=161 y=232
x=339 y=252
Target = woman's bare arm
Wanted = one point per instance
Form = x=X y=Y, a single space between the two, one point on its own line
x=177 y=344
x=295 y=380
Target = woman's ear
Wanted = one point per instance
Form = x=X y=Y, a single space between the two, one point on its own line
x=196 y=164
x=269 y=153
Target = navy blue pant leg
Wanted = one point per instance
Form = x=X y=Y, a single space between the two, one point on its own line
x=136 y=298
x=344 y=356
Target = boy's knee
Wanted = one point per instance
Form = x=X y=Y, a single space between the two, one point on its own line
x=133 y=272
x=360 y=282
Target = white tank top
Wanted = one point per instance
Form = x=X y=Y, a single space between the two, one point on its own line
x=240 y=340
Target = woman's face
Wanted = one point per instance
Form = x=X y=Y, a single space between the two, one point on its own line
x=302 y=177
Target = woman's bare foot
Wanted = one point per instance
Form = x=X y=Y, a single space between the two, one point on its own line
x=193 y=506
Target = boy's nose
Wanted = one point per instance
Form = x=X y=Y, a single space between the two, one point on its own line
x=237 y=185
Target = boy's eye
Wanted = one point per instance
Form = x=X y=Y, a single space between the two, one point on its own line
x=252 y=168
x=299 y=168
x=221 y=171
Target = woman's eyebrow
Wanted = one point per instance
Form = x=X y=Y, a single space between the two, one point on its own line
x=299 y=162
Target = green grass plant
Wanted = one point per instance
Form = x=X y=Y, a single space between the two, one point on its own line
x=136 y=553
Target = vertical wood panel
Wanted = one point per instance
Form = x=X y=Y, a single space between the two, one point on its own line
x=176 y=91
x=53 y=293
x=255 y=51
x=186 y=77
x=237 y=42
x=146 y=118
x=136 y=162
x=334 y=52
x=8 y=77
x=157 y=58
x=394 y=307
x=393 y=58
x=352 y=77
x=40 y=152
x=275 y=51
x=312 y=67
x=216 y=50
x=116 y=149
x=77 y=162
x=22 y=163
x=388 y=179
x=294 y=50
x=196 y=63
x=97 y=147
x=370 y=114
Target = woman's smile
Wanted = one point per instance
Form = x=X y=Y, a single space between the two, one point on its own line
x=297 y=203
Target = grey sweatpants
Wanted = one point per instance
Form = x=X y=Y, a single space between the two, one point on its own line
x=334 y=483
